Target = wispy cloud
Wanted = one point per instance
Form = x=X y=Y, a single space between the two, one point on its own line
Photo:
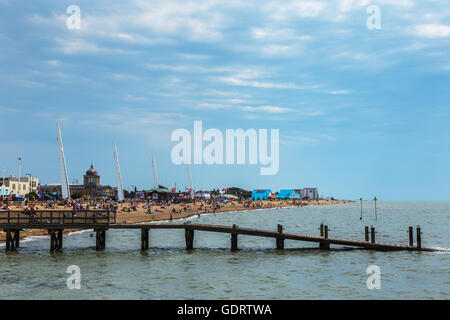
x=432 y=30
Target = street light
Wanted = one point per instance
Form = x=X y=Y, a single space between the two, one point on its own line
x=18 y=186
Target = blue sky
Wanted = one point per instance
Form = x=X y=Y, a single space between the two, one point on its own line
x=360 y=112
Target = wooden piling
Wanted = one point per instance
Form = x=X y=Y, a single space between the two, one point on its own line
x=8 y=236
x=234 y=239
x=280 y=238
x=411 y=236
x=100 y=238
x=17 y=238
x=419 y=237
x=372 y=234
x=366 y=233
x=324 y=245
x=321 y=229
x=12 y=239
x=189 y=236
x=144 y=238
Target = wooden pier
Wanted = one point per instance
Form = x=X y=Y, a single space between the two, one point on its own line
x=55 y=222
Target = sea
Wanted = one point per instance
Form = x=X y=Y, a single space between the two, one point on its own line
x=257 y=271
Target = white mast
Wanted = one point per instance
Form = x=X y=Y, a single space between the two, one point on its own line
x=155 y=173
x=65 y=189
x=190 y=181
x=119 y=176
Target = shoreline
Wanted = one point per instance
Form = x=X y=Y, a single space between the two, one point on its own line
x=165 y=214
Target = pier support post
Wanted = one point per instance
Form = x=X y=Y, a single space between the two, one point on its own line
x=189 y=236
x=17 y=238
x=411 y=236
x=12 y=239
x=419 y=237
x=321 y=229
x=366 y=233
x=8 y=240
x=100 y=239
x=280 y=238
x=372 y=234
x=234 y=239
x=325 y=245
x=144 y=238
x=56 y=239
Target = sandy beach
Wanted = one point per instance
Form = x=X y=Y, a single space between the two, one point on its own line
x=161 y=212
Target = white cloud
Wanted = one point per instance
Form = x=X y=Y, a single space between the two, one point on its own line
x=266 y=85
x=432 y=30
x=267 y=109
x=210 y=106
x=339 y=92
x=283 y=10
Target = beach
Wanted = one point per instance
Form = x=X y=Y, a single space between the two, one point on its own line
x=165 y=212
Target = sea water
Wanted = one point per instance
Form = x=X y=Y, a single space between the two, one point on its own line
x=256 y=271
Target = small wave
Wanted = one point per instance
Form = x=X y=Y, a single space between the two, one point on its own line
x=441 y=250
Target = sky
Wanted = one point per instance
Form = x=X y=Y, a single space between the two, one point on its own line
x=361 y=112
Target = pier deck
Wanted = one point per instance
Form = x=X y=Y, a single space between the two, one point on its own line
x=55 y=222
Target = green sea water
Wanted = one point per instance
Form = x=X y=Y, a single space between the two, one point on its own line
x=257 y=271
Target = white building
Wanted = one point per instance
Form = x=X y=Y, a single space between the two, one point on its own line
x=24 y=186
x=203 y=195
x=4 y=191
x=309 y=193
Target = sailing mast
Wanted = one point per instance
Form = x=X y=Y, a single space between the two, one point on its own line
x=65 y=189
x=190 y=181
x=155 y=173
x=120 y=194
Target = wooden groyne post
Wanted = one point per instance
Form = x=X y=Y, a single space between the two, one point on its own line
x=144 y=238
x=411 y=236
x=234 y=239
x=366 y=233
x=189 y=236
x=372 y=234
x=419 y=237
x=280 y=238
x=324 y=245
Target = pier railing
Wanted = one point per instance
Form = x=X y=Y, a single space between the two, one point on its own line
x=62 y=218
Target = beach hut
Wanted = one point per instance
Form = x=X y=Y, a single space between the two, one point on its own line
x=261 y=194
x=288 y=194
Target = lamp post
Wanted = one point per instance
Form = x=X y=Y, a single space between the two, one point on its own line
x=4 y=186
x=375 y=199
x=18 y=181
x=361 y=199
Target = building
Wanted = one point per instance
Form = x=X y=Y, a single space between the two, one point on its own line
x=23 y=187
x=309 y=193
x=91 y=187
x=4 y=191
x=261 y=194
x=160 y=194
x=203 y=195
x=288 y=194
